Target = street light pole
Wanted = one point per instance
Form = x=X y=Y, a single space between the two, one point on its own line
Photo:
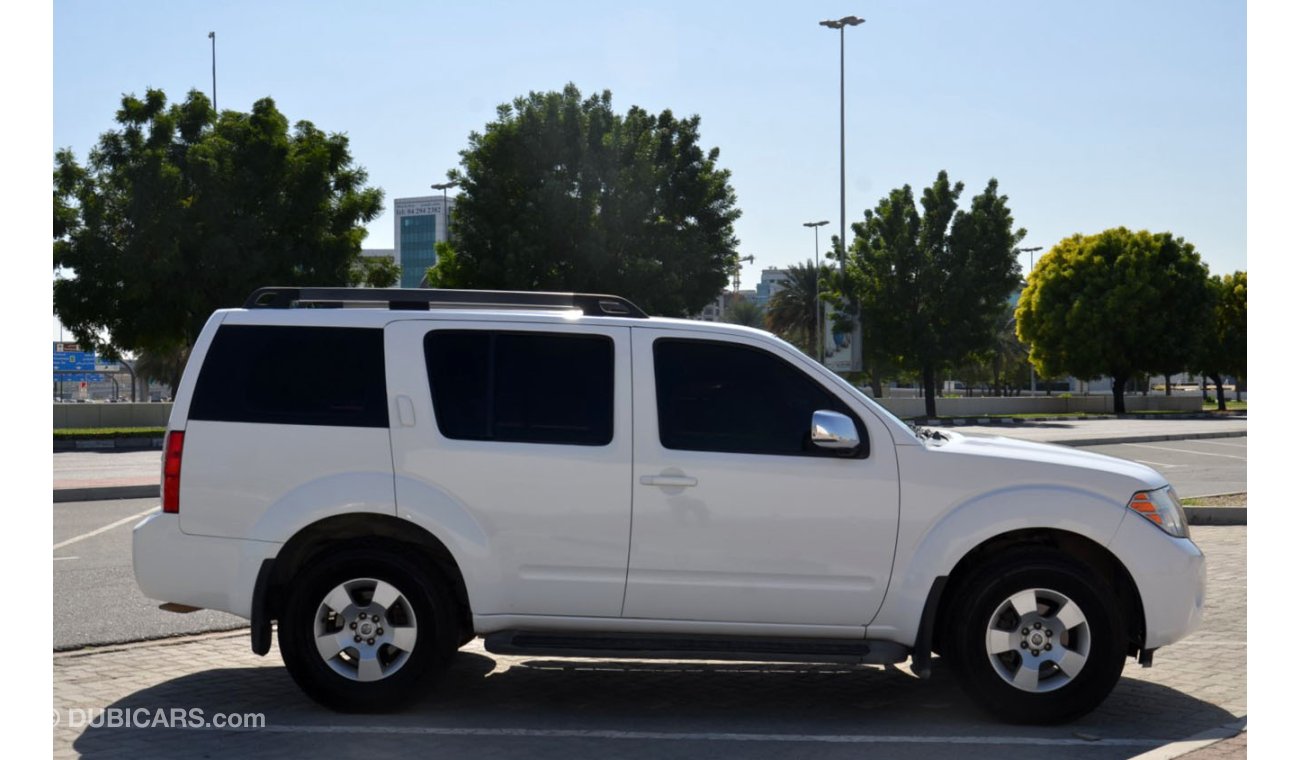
x=1033 y=381
x=446 y=210
x=213 y=36
x=840 y=24
x=817 y=297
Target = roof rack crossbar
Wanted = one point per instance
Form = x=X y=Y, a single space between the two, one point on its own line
x=591 y=304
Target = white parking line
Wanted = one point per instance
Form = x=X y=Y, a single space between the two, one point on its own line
x=542 y=733
x=104 y=529
x=1221 y=443
x=1183 y=451
x=56 y=559
x=1161 y=464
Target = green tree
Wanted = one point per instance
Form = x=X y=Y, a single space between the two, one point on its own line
x=1223 y=349
x=932 y=283
x=375 y=272
x=743 y=312
x=791 y=312
x=562 y=193
x=179 y=212
x=1098 y=305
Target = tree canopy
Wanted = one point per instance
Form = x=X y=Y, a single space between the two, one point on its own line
x=179 y=212
x=1223 y=347
x=932 y=284
x=562 y=193
x=1116 y=303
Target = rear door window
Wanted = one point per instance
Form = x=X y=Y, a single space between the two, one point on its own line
x=523 y=387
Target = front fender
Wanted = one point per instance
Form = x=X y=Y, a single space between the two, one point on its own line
x=931 y=545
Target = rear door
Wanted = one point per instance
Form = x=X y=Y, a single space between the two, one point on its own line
x=736 y=516
x=513 y=443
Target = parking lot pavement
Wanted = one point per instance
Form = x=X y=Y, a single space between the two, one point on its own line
x=492 y=705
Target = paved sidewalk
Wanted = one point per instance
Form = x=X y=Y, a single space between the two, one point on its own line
x=498 y=706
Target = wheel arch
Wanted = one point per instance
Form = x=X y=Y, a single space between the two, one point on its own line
x=312 y=540
x=1073 y=545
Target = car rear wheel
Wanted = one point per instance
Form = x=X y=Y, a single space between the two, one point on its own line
x=363 y=627
x=1037 y=638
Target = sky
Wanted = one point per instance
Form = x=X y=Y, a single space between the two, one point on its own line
x=1089 y=115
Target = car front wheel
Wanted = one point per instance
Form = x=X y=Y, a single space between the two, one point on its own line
x=1037 y=638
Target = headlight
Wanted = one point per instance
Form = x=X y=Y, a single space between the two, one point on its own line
x=1161 y=507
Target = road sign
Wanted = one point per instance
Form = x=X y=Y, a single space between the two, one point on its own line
x=72 y=361
x=78 y=377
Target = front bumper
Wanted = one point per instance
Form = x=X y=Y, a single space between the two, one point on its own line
x=1170 y=577
x=200 y=571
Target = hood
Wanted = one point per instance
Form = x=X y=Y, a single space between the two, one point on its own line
x=1053 y=462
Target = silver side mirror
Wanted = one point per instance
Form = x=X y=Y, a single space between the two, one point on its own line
x=832 y=430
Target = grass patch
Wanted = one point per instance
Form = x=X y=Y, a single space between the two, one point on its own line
x=1233 y=406
x=122 y=432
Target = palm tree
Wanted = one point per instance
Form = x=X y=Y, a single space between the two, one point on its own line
x=793 y=312
x=743 y=312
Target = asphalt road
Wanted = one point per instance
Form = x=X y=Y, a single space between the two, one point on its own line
x=96 y=600
x=1194 y=467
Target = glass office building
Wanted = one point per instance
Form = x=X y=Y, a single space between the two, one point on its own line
x=421 y=223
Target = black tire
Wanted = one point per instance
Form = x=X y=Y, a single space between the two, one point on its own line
x=430 y=607
x=1103 y=637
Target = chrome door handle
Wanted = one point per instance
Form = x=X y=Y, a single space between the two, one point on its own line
x=672 y=481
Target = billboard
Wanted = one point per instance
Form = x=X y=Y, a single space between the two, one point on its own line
x=841 y=349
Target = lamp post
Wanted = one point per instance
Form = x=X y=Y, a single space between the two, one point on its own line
x=840 y=25
x=817 y=302
x=446 y=210
x=213 y=36
x=1033 y=381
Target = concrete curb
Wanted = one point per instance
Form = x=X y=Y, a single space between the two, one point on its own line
x=1147 y=438
x=108 y=444
x=104 y=493
x=1215 y=515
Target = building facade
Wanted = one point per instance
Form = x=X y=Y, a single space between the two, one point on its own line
x=770 y=282
x=419 y=224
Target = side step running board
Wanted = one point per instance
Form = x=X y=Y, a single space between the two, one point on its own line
x=648 y=646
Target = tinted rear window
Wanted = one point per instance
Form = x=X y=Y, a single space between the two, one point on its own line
x=522 y=387
x=293 y=376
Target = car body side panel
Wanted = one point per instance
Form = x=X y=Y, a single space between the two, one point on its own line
x=264 y=482
x=951 y=504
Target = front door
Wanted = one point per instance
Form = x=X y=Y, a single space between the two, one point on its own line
x=737 y=517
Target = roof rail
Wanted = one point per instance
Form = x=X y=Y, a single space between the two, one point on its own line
x=419 y=299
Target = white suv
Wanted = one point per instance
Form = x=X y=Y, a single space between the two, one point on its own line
x=562 y=475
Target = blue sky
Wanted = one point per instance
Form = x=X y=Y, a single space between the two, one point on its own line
x=1090 y=115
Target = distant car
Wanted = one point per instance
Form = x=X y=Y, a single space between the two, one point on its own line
x=566 y=477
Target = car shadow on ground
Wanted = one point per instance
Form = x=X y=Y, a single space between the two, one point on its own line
x=472 y=710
